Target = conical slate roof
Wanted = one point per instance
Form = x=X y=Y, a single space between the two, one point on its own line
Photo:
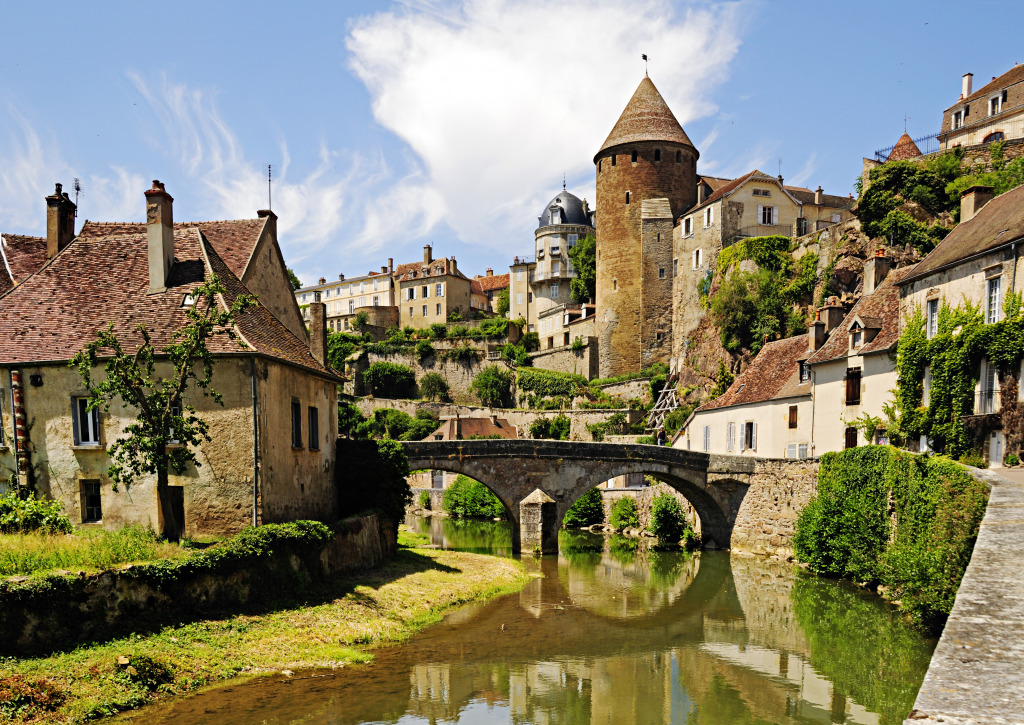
x=646 y=118
x=904 y=149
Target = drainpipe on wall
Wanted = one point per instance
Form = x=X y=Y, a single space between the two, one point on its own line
x=14 y=428
x=20 y=427
x=1013 y=279
x=255 y=446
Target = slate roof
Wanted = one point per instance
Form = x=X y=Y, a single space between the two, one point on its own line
x=573 y=211
x=490 y=283
x=774 y=373
x=473 y=427
x=904 y=149
x=103 y=277
x=1014 y=75
x=999 y=222
x=22 y=256
x=879 y=310
x=646 y=118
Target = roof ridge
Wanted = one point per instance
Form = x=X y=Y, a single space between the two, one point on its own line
x=646 y=117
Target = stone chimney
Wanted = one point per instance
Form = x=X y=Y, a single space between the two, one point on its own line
x=323 y=280
x=818 y=194
x=494 y=421
x=816 y=334
x=454 y=266
x=341 y=277
x=391 y=265
x=832 y=313
x=968 y=83
x=973 y=199
x=271 y=223
x=318 y=329
x=428 y=255
x=489 y=272
x=383 y=269
x=875 y=270
x=701 y=193
x=60 y=222
x=160 y=234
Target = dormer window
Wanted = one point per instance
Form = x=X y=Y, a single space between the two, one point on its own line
x=805 y=372
x=556 y=217
x=856 y=336
x=995 y=105
x=958 y=119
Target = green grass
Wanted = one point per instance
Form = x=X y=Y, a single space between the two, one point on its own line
x=89 y=550
x=338 y=626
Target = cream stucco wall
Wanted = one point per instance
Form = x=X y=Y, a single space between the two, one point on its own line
x=832 y=415
x=218 y=494
x=773 y=432
x=455 y=296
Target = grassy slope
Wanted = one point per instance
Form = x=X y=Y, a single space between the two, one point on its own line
x=340 y=626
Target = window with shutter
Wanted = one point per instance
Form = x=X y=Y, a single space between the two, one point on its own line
x=853 y=386
x=730 y=438
x=851 y=437
x=753 y=437
x=792 y=416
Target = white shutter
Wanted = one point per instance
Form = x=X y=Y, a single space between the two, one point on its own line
x=753 y=443
x=775 y=215
x=760 y=214
x=743 y=437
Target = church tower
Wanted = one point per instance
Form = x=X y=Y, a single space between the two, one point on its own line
x=646 y=177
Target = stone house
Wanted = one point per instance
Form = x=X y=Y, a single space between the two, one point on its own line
x=852 y=368
x=978 y=263
x=428 y=291
x=766 y=412
x=486 y=290
x=994 y=112
x=372 y=293
x=271 y=457
x=459 y=428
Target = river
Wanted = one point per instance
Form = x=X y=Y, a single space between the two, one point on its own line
x=610 y=633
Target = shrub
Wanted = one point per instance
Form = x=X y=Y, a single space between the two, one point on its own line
x=493 y=385
x=349 y=420
x=390 y=380
x=424 y=500
x=516 y=355
x=1011 y=460
x=624 y=514
x=494 y=328
x=394 y=424
x=454 y=316
x=424 y=350
x=24 y=699
x=550 y=383
x=531 y=341
x=587 y=510
x=438 y=330
x=556 y=428
x=360 y=320
x=464 y=354
x=503 y=302
x=467 y=498
x=339 y=346
x=647 y=440
x=433 y=386
x=668 y=522
x=919 y=550
x=22 y=514
x=578 y=345
x=372 y=478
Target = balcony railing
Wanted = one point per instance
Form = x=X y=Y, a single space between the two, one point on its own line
x=926 y=144
x=986 y=402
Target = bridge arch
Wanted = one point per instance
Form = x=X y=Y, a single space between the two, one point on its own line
x=551 y=475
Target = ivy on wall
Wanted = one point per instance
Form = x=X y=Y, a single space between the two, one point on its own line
x=953 y=356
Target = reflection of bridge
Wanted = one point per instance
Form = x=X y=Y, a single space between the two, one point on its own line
x=538 y=480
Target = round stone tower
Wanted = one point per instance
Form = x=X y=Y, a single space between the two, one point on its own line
x=646 y=177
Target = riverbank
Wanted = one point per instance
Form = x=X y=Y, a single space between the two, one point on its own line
x=335 y=626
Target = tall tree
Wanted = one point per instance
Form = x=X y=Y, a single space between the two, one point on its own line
x=293 y=279
x=166 y=429
x=583 y=254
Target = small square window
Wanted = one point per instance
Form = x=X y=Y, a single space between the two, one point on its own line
x=92 y=502
x=438 y=309
x=661 y=273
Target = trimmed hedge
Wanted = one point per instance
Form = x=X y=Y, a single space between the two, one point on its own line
x=889 y=517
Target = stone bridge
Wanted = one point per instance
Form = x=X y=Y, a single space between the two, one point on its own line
x=538 y=480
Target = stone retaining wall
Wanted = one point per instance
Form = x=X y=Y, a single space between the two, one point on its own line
x=778 y=491
x=630 y=389
x=564 y=360
x=69 y=608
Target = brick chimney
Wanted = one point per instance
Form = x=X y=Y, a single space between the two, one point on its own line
x=973 y=199
x=968 y=83
x=832 y=313
x=391 y=265
x=323 y=280
x=318 y=329
x=818 y=194
x=875 y=270
x=816 y=334
x=383 y=269
x=60 y=222
x=160 y=234
x=341 y=277
x=428 y=256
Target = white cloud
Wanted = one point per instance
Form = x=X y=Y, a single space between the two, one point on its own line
x=29 y=168
x=800 y=177
x=499 y=98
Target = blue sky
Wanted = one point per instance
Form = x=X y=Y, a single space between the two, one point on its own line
x=395 y=124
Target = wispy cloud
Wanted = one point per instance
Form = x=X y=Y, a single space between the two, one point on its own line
x=807 y=170
x=499 y=98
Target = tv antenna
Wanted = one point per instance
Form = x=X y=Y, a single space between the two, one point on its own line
x=269 y=205
x=77 y=186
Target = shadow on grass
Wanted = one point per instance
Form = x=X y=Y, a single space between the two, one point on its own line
x=265 y=597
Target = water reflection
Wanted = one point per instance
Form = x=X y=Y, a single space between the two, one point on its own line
x=611 y=633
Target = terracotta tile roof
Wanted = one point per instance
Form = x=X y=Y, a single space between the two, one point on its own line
x=831 y=201
x=103 y=276
x=492 y=282
x=879 y=310
x=999 y=222
x=22 y=256
x=472 y=427
x=726 y=189
x=715 y=182
x=1014 y=75
x=904 y=149
x=437 y=268
x=234 y=239
x=646 y=118
x=774 y=373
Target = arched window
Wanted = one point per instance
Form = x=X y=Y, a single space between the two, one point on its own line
x=634 y=156
x=995 y=136
x=627 y=197
x=657 y=154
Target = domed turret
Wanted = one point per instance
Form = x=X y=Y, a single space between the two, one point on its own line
x=565 y=208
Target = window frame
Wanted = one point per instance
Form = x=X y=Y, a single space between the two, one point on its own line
x=992 y=284
x=296 y=425
x=313 y=425
x=92 y=513
x=79 y=408
x=793 y=413
x=853 y=384
x=931 y=318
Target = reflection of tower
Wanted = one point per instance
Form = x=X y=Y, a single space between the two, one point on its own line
x=646 y=176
